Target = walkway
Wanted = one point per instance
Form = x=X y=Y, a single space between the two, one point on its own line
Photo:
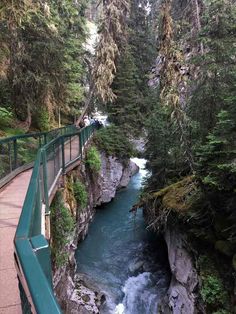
x=11 y=201
x=12 y=197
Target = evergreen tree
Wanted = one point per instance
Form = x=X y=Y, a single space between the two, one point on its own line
x=134 y=99
x=217 y=68
x=142 y=42
x=112 y=37
x=45 y=59
x=126 y=111
x=217 y=168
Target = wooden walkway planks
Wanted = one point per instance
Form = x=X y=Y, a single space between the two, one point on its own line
x=11 y=201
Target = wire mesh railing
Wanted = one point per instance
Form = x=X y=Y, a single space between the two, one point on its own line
x=32 y=251
x=18 y=151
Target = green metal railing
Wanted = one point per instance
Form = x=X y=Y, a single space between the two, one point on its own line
x=32 y=251
x=18 y=151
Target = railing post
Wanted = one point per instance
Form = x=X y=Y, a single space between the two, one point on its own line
x=9 y=155
x=40 y=141
x=86 y=134
x=45 y=180
x=45 y=138
x=70 y=149
x=63 y=156
x=42 y=250
x=80 y=145
x=83 y=136
x=15 y=153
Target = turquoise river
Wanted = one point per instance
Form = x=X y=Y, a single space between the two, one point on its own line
x=127 y=262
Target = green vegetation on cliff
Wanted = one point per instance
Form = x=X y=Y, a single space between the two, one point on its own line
x=93 y=159
x=80 y=194
x=62 y=226
x=114 y=142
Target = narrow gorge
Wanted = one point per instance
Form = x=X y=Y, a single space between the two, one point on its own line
x=114 y=264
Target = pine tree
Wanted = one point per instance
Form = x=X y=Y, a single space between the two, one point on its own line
x=217 y=167
x=45 y=72
x=134 y=97
x=126 y=111
x=112 y=37
x=217 y=66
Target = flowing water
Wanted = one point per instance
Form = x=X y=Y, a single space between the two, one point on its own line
x=119 y=255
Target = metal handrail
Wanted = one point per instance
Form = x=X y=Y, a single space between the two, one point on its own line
x=32 y=251
x=11 y=161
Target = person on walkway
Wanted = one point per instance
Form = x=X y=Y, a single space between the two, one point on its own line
x=91 y=120
x=86 y=121
x=82 y=124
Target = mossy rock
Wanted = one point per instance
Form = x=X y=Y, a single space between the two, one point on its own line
x=225 y=247
x=178 y=196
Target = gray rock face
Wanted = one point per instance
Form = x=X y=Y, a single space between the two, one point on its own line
x=113 y=175
x=181 y=298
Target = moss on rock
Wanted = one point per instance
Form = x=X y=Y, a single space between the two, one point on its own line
x=178 y=196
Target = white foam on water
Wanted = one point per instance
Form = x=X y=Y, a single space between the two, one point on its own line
x=120 y=309
x=141 y=162
x=138 y=297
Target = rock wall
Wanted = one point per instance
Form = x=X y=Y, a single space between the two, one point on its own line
x=114 y=175
x=181 y=297
x=75 y=294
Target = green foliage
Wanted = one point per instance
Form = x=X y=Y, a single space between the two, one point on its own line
x=27 y=150
x=217 y=167
x=163 y=150
x=42 y=59
x=5 y=117
x=134 y=100
x=215 y=90
x=112 y=37
x=114 y=142
x=62 y=226
x=43 y=120
x=80 y=194
x=126 y=111
x=213 y=291
x=93 y=159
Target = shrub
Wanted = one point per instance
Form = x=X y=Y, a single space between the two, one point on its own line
x=62 y=225
x=5 y=117
x=114 y=142
x=43 y=120
x=80 y=194
x=93 y=159
x=213 y=290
